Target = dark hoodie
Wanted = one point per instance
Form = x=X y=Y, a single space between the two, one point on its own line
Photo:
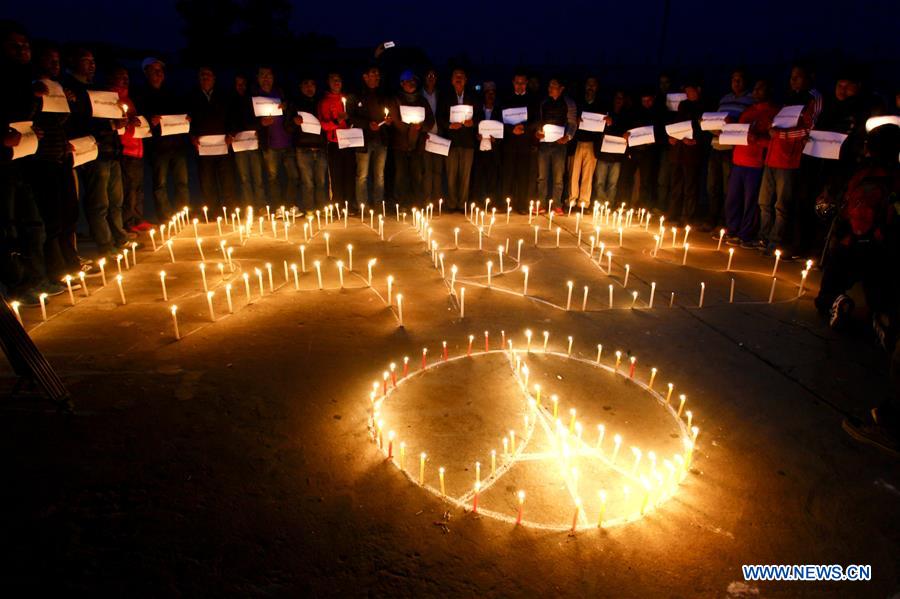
x=405 y=138
x=300 y=138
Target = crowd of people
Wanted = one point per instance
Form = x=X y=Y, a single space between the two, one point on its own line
x=254 y=142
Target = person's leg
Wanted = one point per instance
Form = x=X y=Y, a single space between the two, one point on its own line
x=291 y=177
x=466 y=157
x=114 y=214
x=558 y=166
x=691 y=190
x=242 y=169
x=575 y=168
x=30 y=233
x=612 y=181
x=589 y=165
x=270 y=160
x=159 y=163
x=664 y=179
x=784 y=203
x=69 y=216
x=734 y=201
x=837 y=276
x=402 y=175
x=416 y=170
x=179 y=174
x=96 y=203
x=428 y=178
x=130 y=187
x=543 y=172
x=379 y=158
x=306 y=164
x=676 y=192
x=752 y=178
x=598 y=186
x=209 y=186
x=766 y=204
x=646 y=172
x=715 y=185
x=362 y=176
x=320 y=178
x=453 y=167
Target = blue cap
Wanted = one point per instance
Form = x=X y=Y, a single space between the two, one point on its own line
x=408 y=75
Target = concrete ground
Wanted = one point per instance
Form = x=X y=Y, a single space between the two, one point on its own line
x=237 y=461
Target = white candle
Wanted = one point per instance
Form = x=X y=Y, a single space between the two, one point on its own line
x=228 y=298
x=195 y=222
x=627 y=272
x=134 y=247
x=247 y=285
x=212 y=313
x=171 y=252
x=684 y=258
x=453 y=270
x=569 y=284
x=730 y=257
x=525 y=286
x=620 y=236
x=652 y=293
x=400 y=308
x=610 y=296
x=84 y=286
x=162 y=281
x=803 y=274
x=340 y=267
x=203 y=276
x=269 y=271
x=536 y=230
x=558 y=231
x=350 y=256
x=390 y=287
x=687 y=231
x=371 y=264
x=43 y=299
x=121 y=289
x=462 y=302
x=584 y=301
x=500 y=257
x=777 y=259
x=259 y=278
x=772 y=290
x=327 y=244
x=318 y=266
x=302 y=258
x=456 y=238
x=174 y=310
x=490 y=266
x=69 y=287
x=702 y=291
x=731 y=293
x=721 y=237
x=119 y=263
x=608 y=263
x=153 y=238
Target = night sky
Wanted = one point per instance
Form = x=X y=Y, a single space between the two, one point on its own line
x=586 y=32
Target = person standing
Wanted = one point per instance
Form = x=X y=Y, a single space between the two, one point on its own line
x=779 y=188
x=275 y=143
x=132 y=160
x=520 y=145
x=587 y=147
x=646 y=157
x=718 y=166
x=341 y=163
x=486 y=170
x=369 y=112
x=609 y=165
x=168 y=153
x=433 y=182
x=408 y=141
x=462 y=140
x=559 y=110
x=208 y=110
x=686 y=156
x=309 y=149
x=247 y=163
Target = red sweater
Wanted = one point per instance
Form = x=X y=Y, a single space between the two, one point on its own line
x=760 y=117
x=131 y=147
x=330 y=106
x=786 y=145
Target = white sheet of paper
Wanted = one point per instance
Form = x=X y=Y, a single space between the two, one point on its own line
x=553 y=133
x=245 y=140
x=673 y=100
x=55 y=101
x=412 y=114
x=713 y=121
x=824 y=144
x=461 y=113
x=878 y=121
x=514 y=116
x=734 y=134
x=105 y=105
x=28 y=143
x=174 y=124
x=491 y=128
x=641 y=136
x=787 y=117
x=350 y=138
x=613 y=145
x=85 y=150
x=264 y=106
x=389 y=45
x=437 y=145
x=592 y=121
x=212 y=145
x=681 y=130
x=142 y=130
x=310 y=123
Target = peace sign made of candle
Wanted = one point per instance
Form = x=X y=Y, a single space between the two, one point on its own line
x=574 y=477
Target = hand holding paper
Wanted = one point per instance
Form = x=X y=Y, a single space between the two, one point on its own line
x=734 y=134
x=350 y=138
x=824 y=144
x=85 y=150
x=553 y=133
x=437 y=145
x=412 y=115
x=515 y=116
x=55 y=100
x=105 y=105
x=613 y=145
x=264 y=106
x=491 y=128
x=28 y=142
x=592 y=121
x=681 y=130
x=713 y=121
x=310 y=123
x=460 y=113
x=174 y=124
x=244 y=141
x=787 y=117
x=641 y=136
x=212 y=145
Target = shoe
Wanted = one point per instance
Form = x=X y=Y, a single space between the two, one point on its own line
x=735 y=241
x=840 y=312
x=559 y=211
x=872 y=433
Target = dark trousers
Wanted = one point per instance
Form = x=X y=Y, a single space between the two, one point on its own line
x=409 y=174
x=248 y=165
x=342 y=173
x=776 y=203
x=551 y=165
x=102 y=203
x=742 y=204
x=718 y=171
x=58 y=207
x=685 y=184
x=169 y=167
x=132 y=190
x=216 y=180
x=21 y=230
x=486 y=177
x=518 y=178
x=312 y=164
x=433 y=179
x=274 y=160
x=646 y=161
x=459 y=173
x=664 y=178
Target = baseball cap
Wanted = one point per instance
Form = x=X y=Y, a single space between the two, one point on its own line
x=408 y=75
x=149 y=61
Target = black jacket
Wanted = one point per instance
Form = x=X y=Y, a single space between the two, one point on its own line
x=464 y=137
x=404 y=137
x=151 y=102
x=299 y=137
x=367 y=107
x=209 y=115
x=526 y=141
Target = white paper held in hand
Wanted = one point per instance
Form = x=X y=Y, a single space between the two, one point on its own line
x=592 y=121
x=713 y=121
x=787 y=117
x=641 y=136
x=28 y=143
x=265 y=106
x=734 y=134
x=681 y=130
x=310 y=123
x=412 y=115
x=824 y=144
x=515 y=116
x=437 y=145
x=85 y=150
x=212 y=145
x=553 y=133
x=461 y=113
x=244 y=141
x=105 y=105
x=490 y=128
x=55 y=100
x=613 y=144
x=174 y=124
x=674 y=99
x=350 y=138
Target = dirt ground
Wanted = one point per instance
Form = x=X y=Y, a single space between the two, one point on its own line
x=237 y=461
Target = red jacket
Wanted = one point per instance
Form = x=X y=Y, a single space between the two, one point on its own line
x=760 y=117
x=786 y=145
x=131 y=147
x=330 y=106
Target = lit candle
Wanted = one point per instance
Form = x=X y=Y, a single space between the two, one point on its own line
x=153 y=238
x=462 y=302
x=777 y=259
x=577 y=511
x=609 y=263
x=525 y=286
x=195 y=222
x=119 y=263
x=203 y=276
x=400 y=307
x=521 y=497
x=555 y=400
x=134 y=247
x=259 y=278
x=422 y=457
x=121 y=289
x=402 y=455
x=687 y=231
x=569 y=298
x=610 y=296
x=174 y=310
x=684 y=259
x=772 y=290
x=602 y=495
x=340 y=267
x=444 y=350
x=669 y=394
x=617 y=443
x=569 y=351
x=486 y=344
x=599 y=351
x=652 y=377
x=536 y=230
x=721 y=237
x=43 y=299
x=171 y=251
x=200 y=248
x=490 y=266
x=803 y=274
x=327 y=245
x=303 y=260
x=546 y=339
x=318 y=266
x=456 y=238
x=69 y=287
x=212 y=313
x=441 y=477
x=228 y=297
x=702 y=291
x=681 y=400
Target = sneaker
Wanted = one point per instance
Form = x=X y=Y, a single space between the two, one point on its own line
x=559 y=211
x=872 y=433
x=840 y=312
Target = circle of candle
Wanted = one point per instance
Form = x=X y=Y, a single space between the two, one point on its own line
x=42 y=298
x=174 y=310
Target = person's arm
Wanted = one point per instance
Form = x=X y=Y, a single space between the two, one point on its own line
x=429 y=116
x=571 y=118
x=393 y=106
x=326 y=118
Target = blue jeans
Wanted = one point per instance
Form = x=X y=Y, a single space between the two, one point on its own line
x=103 y=197
x=606 y=180
x=169 y=164
x=272 y=158
x=313 y=166
x=776 y=201
x=742 y=202
x=373 y=158
x=249 y=171
x=551 y=162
